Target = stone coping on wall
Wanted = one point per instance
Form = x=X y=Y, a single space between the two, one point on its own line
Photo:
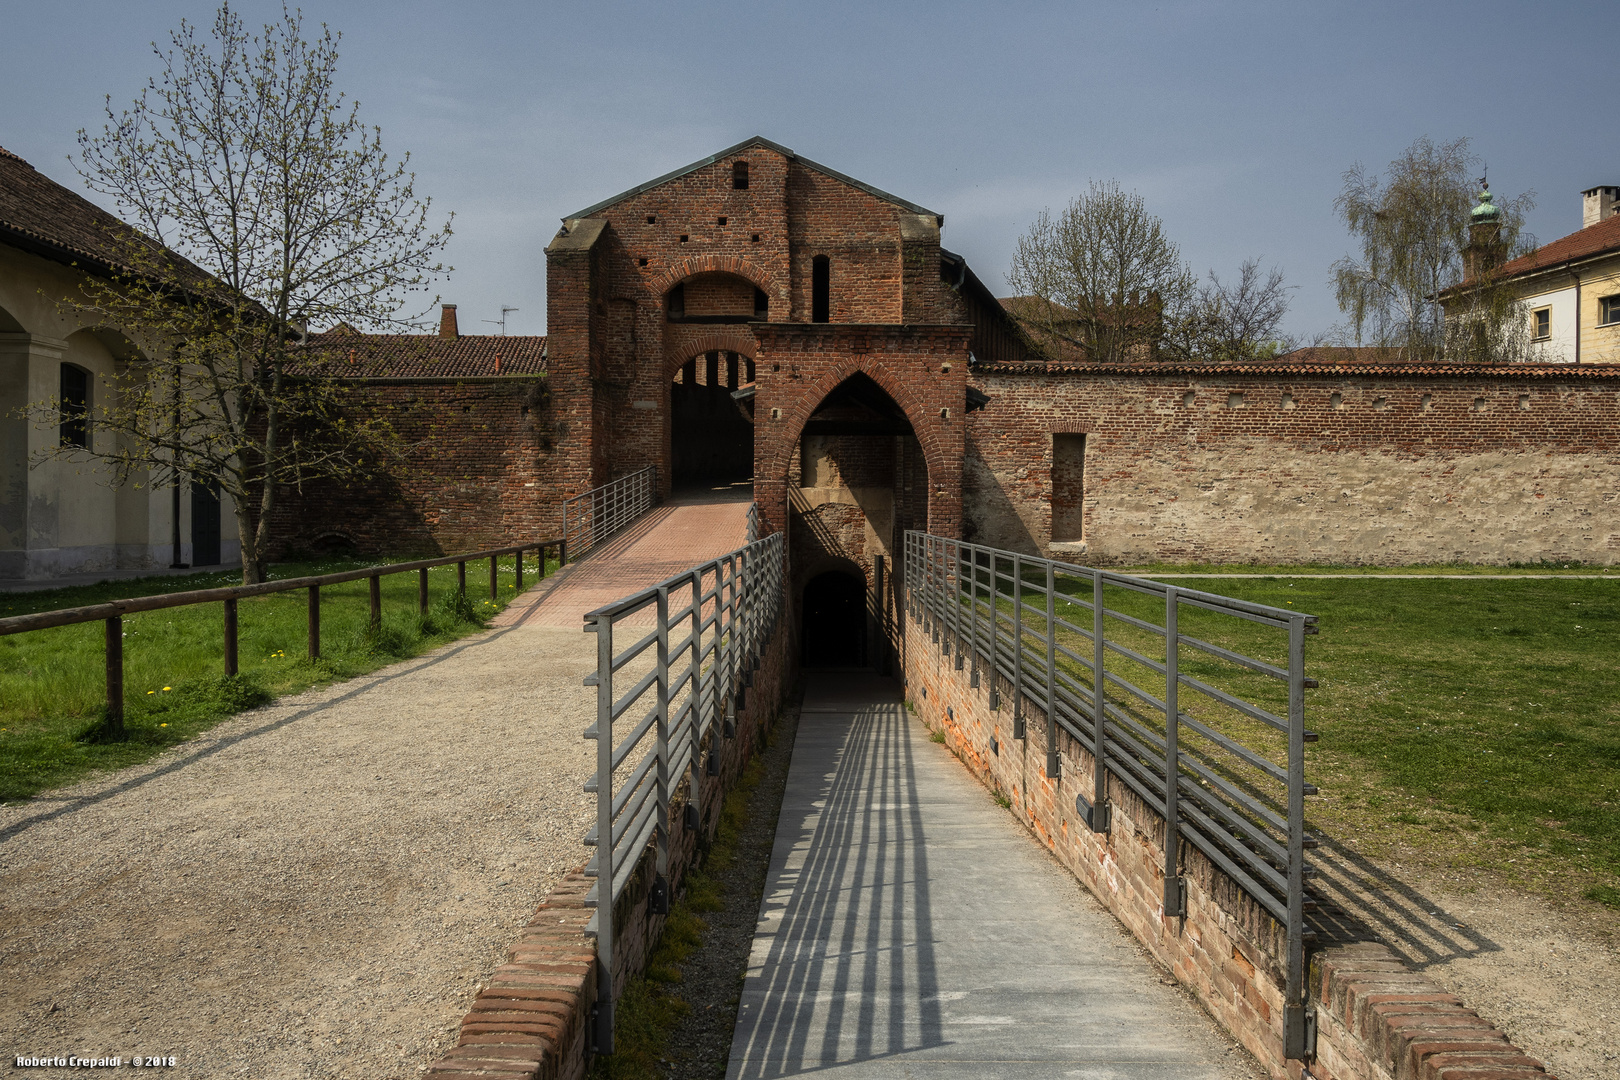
x=1376 y=1018
x=1477 y=372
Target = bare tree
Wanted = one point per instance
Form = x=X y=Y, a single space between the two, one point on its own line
x=1234 y=321
x=1101 y=276
x=243 y=157
x=1413 y=229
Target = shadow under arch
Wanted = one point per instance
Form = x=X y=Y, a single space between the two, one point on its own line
x=710 y=435
x=833 y=616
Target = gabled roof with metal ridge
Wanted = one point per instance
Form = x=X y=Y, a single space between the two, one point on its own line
x=757 y=140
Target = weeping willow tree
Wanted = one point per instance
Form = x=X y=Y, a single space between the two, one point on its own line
x=1413 y=225
x=260 y=205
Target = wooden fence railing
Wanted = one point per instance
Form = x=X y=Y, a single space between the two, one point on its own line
x=113 y=611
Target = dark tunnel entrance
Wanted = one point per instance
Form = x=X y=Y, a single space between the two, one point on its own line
x=834 y=630
x=712 y=439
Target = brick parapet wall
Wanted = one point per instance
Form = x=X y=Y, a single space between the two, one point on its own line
x=1377 y=1019
x=480 y=471
x=1375 y=468
x=533 y=1020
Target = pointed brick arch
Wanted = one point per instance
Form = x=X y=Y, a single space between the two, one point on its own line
x=940 y=437
x=692 y=265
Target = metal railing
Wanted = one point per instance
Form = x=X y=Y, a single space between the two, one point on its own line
x=113 y=611
x=670 y=684
x=597 y=514
x=1228 y=725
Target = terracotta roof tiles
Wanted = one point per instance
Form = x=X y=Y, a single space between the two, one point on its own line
x=1592 y=240
x=428 y=356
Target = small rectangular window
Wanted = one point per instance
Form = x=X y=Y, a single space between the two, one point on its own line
x=1068 y=488
x=820 y=289
x=1608 y=310
x=739 y=175
x=75 y=406
x=1541 y=323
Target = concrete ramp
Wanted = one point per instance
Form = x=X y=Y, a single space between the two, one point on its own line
x=911 y=928
x=690 y=528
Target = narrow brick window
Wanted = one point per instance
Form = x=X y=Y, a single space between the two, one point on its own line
x=1234 y=401
x=1188 y=398
x=820 y=289
x=762 y=304
x=1068 y=488
x=75 y=406
x=739 y=175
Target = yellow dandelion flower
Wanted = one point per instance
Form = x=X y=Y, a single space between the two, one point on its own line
x=168 y=688
x=151 y=691
x=163 y=725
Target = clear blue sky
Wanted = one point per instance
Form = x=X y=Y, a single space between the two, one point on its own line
x=1235 y=121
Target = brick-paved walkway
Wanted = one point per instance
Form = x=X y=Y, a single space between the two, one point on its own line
x=690 y=528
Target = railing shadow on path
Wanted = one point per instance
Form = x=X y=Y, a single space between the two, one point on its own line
x=851 y=972
x=1359 y=899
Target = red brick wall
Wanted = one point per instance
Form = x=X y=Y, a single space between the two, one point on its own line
x=1375 y=469
x=480 y=473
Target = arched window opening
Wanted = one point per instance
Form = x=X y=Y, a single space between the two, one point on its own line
x=739 y=175
x=820 y=289
x=75 y=406
x=834 y=620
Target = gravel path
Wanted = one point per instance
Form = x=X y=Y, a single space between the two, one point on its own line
x=312 y=889
x=1546 y=976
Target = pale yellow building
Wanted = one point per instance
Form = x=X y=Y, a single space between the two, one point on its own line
x=1570 y=289
x=62 y=516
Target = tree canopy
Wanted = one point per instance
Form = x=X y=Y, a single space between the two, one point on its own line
x=243 y=158
x=1413 y=228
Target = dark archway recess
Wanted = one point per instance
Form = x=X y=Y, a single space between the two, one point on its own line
x=834 y=627
x=711 y=440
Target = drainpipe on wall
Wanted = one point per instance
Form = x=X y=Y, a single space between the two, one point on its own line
x=1577 y=278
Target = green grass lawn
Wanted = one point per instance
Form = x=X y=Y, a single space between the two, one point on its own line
x=52 y=682
x=1473 y=724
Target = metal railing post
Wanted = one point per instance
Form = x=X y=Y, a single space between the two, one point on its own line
x=461 y=577
x=1052 y=767
x=375 y=582
x=604 y=836
x=1099 y=707
x=694 y=699
x=1294 y=1024
x=1018 y=646
x=422 y=590
x=517 y=574
x=494 y=582
x=1175 y=895
x=659 y=901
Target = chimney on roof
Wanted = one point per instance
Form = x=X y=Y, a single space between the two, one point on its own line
x=1598 y=204
x=447 y=321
